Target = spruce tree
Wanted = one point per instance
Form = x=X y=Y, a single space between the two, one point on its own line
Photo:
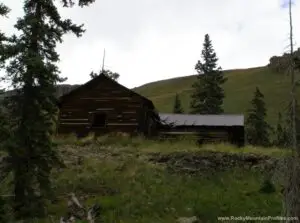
x=208 y=94
x=288 y=123
x=33 y=72
x=177 y=105
x=3 y=121
x=257 y=129
x=282 y=133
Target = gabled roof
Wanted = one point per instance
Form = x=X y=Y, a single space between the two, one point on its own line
x=202 y=120
x=98 y=79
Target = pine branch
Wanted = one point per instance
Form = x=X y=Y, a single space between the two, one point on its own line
x=4 y=10
x=81 y=3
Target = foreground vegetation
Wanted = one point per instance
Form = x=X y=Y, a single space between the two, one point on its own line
x=117 y=173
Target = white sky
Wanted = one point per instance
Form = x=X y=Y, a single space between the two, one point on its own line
x=150 y=40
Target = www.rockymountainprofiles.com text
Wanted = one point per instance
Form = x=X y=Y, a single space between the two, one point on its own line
x=259 y=218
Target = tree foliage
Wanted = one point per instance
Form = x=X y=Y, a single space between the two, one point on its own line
x=257 y=129
x=4 y=10
x=33 y=72
x=280 y=64
x=81 y=3
x=288 y=124
x=282 y=133
x=177 y=109
x=113 y=75
x=208 y=94
x=4 y=132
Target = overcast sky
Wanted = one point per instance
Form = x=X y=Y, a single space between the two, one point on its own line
x=150 y=40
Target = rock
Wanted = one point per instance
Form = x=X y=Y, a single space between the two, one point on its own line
x=188 y=209
x=209 y=162
x=193 y=219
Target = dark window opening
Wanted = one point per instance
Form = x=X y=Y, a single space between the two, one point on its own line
x=99 y=120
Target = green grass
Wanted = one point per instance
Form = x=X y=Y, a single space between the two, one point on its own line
x=116 y=173
x=238 y=89
x=140 y=145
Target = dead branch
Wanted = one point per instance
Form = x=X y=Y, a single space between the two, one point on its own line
x=76 y=211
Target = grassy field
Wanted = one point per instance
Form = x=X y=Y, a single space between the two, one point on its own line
x=238 y=89
x=117 y=173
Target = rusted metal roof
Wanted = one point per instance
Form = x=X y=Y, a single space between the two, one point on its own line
x=202 y=120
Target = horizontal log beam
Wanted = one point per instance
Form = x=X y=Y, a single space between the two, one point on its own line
x=121 y=124
x=74 y=123
x=104 y=109
x=106 y=98
x=69 y=119
x=179 y=133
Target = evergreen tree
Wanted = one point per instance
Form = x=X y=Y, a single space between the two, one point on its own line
x=33 y=72
x=282 y=133
x=177 y=105
x=113 y=75
x=3 y=12
x=257 y=128
x=208 y=94
x=3 y=121
x=288 y=128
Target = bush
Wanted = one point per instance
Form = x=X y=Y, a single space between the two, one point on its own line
x=267 y=187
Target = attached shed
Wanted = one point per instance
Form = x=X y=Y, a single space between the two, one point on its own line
x=102 y=105
x=207 y=128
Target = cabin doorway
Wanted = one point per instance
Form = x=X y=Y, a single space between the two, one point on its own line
x=99 y=120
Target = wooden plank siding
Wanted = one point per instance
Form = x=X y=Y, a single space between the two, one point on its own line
x=206 y=134
x=123 y=109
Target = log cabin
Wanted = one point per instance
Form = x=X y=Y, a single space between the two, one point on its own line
x=101 y=106
x=206 y=128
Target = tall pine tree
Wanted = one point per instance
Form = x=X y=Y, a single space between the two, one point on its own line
x=33 y=72
x=282 y=133
x=257 y=129
x=177 y=109
x=3 y=121
x=289 y=123
x=208 y=94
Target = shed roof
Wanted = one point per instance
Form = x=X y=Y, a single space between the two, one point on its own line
x=202 y=120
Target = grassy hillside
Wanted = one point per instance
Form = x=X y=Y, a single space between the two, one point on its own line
x=136 y=180
x=238 y=89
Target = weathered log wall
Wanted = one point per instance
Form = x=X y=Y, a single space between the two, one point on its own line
x=207 y=134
